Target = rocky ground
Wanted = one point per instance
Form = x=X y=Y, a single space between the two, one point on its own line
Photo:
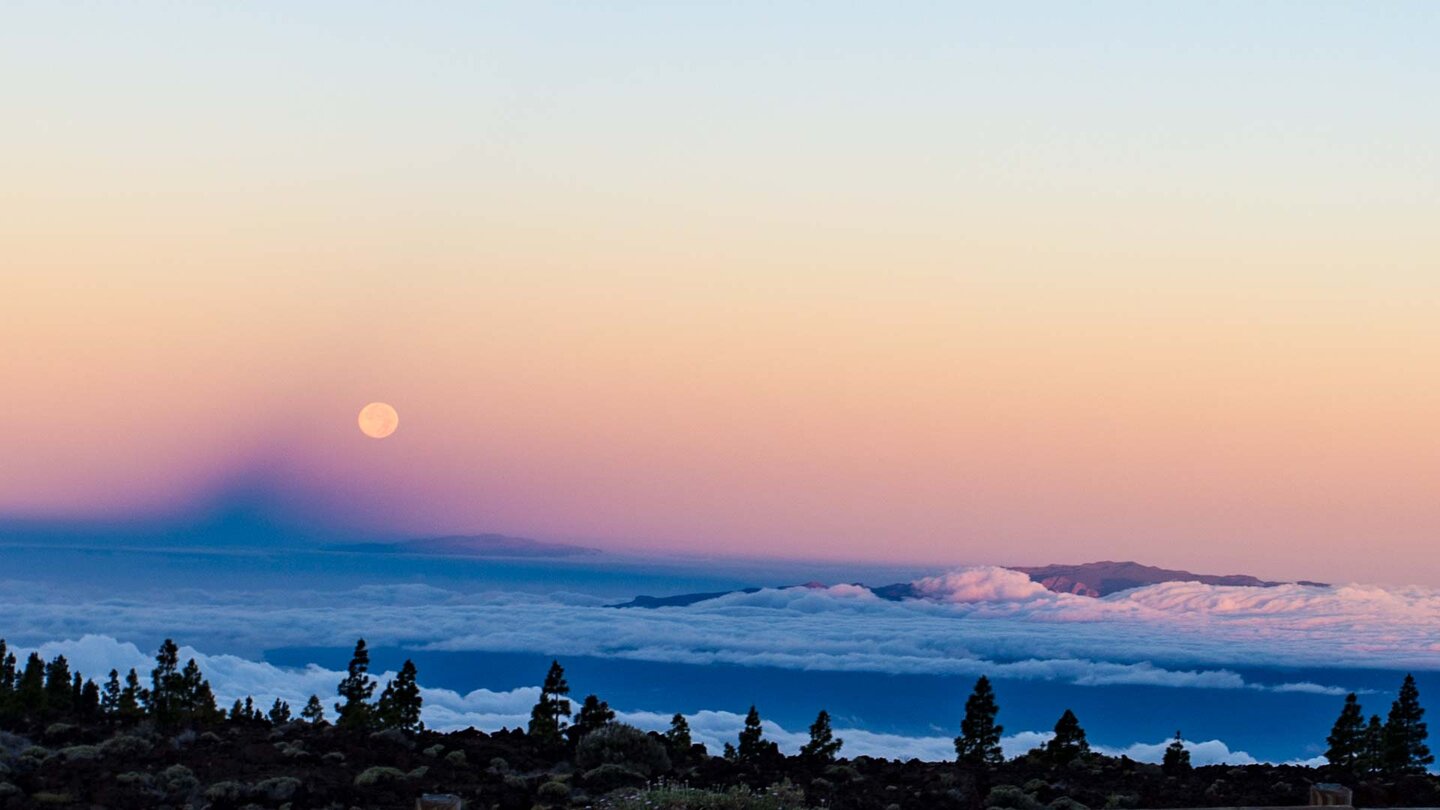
x=299 y=765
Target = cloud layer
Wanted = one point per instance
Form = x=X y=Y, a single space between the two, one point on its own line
x=233 y=677
x=981 y=621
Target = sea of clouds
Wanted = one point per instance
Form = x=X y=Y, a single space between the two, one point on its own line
x=974 y=621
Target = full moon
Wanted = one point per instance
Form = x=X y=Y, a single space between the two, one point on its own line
x=378 y=420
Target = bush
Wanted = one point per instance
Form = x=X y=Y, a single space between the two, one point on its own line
x=394 y=736
x=177 y=779
x=58 y=732
x=608 y=777
x=224 y=792
x=135 y=778
x=434 y=751
x=377 y=775
x=678 y=797
x=1066 y=803
x=80 y=753
x=456 y=758
x=554 y=792
x=1011 y=798
x=125 y=746
x=623 y=745
x=278 y=789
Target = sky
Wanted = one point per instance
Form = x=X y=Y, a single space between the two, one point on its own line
x=940 y=283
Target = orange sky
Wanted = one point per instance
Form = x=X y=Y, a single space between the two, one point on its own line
x=1166 y=293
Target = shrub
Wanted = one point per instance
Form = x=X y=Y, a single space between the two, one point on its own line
x=56 y=732
x=377 y=775
x=176 y=779
x=554 y=792
x=608 y=777
x=125 y=746
x=80 y=753
x=678 y=797
x=1011 y=798
x=135 y=778
x=278 y=788
x=224 y=792
x=1066 y=803
x=434 y=751
x=394 y=736
x=456 y=758
x=623 y=745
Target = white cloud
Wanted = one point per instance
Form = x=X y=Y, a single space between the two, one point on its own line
x=233 y=677
x=1185 y=635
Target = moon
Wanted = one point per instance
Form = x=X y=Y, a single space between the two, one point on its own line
x=378 y=420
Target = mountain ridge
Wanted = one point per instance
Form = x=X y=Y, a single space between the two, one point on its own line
x=1095 y=580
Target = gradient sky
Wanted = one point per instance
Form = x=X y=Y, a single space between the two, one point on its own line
x=1006 y=282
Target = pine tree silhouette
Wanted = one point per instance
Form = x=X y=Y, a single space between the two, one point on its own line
x=823 y=744
x=1069 y=741
x=979 y=740
x=355 y=712
x=1347 y=737
x=1405 y=733
x=1176 y=761
x=547 y=719
x=314 y=711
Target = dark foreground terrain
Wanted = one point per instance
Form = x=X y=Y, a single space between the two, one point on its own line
x=304 y=765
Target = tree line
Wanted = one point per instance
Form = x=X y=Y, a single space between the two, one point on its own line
x=49 y=691
x=1394 y=747
x=42 y=691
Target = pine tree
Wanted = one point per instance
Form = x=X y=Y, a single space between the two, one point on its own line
x=9 y=701
x=1177 y=759
x=110 y=698
x=979 y=740
x=1347 y=737
x=594 y=714
x=356 y=712
x=547 y=719
x=132 y=698
x=823 y=744
x=1405 y=733
x=1069 y=741
x=314 y=711
x=1373 y=758
x=752 y=743
x=677 y=738
x=7 y=674
x=59 y=689
x=194 y=700
x=166 y=685
x=237 y=711
x=30 y=687
x=279 y=712
x=400 y=703
x=89 y=705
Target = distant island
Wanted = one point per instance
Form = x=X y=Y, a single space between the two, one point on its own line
x=470 y=545
x=1094 y=579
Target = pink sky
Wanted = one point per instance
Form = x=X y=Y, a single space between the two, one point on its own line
x=1108 y=311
